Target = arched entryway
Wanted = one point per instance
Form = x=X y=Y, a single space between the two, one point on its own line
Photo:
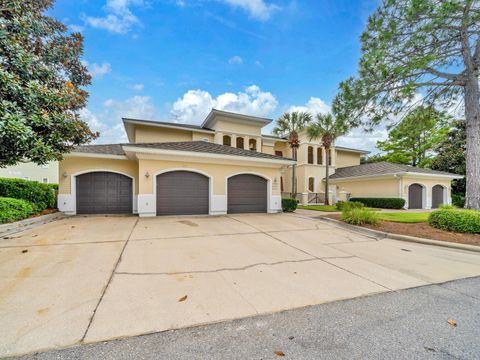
x=415 y=196
x=247 y=193
x=103 y=192
x=438 y=196
x=182 y=193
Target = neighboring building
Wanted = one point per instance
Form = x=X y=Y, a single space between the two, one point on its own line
x=225 y=165
x=47 y=173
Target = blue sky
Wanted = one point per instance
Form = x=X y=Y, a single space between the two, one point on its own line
x=176 y=59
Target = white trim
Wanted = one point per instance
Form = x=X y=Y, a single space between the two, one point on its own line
x=136 y=149
x=93 y=155
x=164 y=171
x=270 y=208
x=315 y=187
x=445 y=199
x=73 y=187
x=162 y=125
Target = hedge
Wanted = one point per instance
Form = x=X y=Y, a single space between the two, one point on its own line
x=14 y=209
x=289 y=205
x=456 y=220
x=458 y=200
x=381 y=203
x=41 y=196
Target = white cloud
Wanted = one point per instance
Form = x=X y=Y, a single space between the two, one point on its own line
x=119 y=18
x=99 y=70
x=313 y=106
x=76 y=28
x=195 y=105
x=108 y=122
x=235 y=60
x=137 y=87
x=257 y=9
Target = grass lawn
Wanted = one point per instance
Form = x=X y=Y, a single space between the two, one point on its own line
x=326 y=208
x=407 y=217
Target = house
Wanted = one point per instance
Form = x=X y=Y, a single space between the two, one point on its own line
x=47 y=173
x=225 y=165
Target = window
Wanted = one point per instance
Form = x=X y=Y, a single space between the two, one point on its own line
x=240 y=142
x=281 y=183
x=45 y=180
x=227 y=140
x=319 y=156
x=310 y=155
x=311 y=184
x=252 y=144
x=278 y=152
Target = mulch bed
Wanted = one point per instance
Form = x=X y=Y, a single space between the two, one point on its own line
x=421 y=230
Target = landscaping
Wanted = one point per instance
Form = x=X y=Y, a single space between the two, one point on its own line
x=20 y=199
x=405 y=217
x=326 y=208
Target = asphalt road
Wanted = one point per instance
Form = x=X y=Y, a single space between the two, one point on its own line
x=407 y=324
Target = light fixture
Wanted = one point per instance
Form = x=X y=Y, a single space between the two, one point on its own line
x=147 y=175
x=65 y=174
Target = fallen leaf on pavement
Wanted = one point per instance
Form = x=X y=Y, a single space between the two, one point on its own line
x=452 y=322
x=183 y=298
x=279 y=353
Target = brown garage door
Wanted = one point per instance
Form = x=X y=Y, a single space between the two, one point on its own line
x=437 y=196
x=247 y=194
x=182 y=193
x=104 y=193
x=415 y=196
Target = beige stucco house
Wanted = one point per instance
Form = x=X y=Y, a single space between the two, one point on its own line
x=225 y=165
x=47 y=173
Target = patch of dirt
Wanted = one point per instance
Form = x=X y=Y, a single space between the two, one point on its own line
x=44 y=212
x=421 y=230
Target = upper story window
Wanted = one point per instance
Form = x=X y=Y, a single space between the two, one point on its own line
x=227 y=140
x=252 y=144
x=240 y=142
x=279 y=153
x=310 y=155
x=319 y=156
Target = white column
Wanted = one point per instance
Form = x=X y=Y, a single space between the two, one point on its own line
x=246 y=140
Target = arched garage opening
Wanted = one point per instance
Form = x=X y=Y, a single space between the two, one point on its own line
x=416 y=196
x=438 y=196
x=103 y=192
x=182 y=193
x=247 y=193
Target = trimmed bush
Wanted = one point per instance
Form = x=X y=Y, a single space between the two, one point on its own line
x=356 y=216
x=456 y=220
x=289 y=204
x=381 y=203
x=344 y=205
x=14 y=209
x=42 y=196
x=458 y=200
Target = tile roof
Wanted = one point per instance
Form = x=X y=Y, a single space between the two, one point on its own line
x=192 y=146
x=382 y=168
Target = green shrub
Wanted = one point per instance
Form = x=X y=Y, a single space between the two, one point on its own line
x=356 y=216
x=447 y=207
x=289 y=205
x=458 y=200
x=457 y=220
x=14 y=209
x=381 y=203
x=342 y=205
x=42 y=196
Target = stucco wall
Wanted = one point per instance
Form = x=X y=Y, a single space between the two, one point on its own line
x=31 y=171
x=388 y=187
x=347 y=158
x=226 y=125
x=155 y=134
x=428 y=184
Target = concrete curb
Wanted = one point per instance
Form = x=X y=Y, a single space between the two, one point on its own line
x=383 y=235
x=26 y=224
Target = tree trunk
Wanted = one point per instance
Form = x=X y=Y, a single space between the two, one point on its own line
x=472 y=115
x=327 y=159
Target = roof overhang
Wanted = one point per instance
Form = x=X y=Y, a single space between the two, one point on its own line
x=396 y=175
x=97 y=156
x=193 y=156
x=346 y=149
x=214 y=114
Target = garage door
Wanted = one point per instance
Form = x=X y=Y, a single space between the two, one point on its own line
x=437 y=196
x=104 y=193
x=182 y=193
x=247 y=194
x=415 y=196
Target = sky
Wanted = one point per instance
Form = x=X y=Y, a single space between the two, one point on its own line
x=173 y=60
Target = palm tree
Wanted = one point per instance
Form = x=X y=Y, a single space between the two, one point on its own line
x=289 y=124
x=326 y=128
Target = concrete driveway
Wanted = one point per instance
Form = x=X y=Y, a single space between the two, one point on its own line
x=88 y=279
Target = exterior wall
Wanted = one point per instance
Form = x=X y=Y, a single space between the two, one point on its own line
x=155 y=134
x=72 y=166
x=383 y=187
x=284 y=148
x=428 y=184
x=226 y=125
x=347 y=158
x=32 y=171
x=198 y=136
